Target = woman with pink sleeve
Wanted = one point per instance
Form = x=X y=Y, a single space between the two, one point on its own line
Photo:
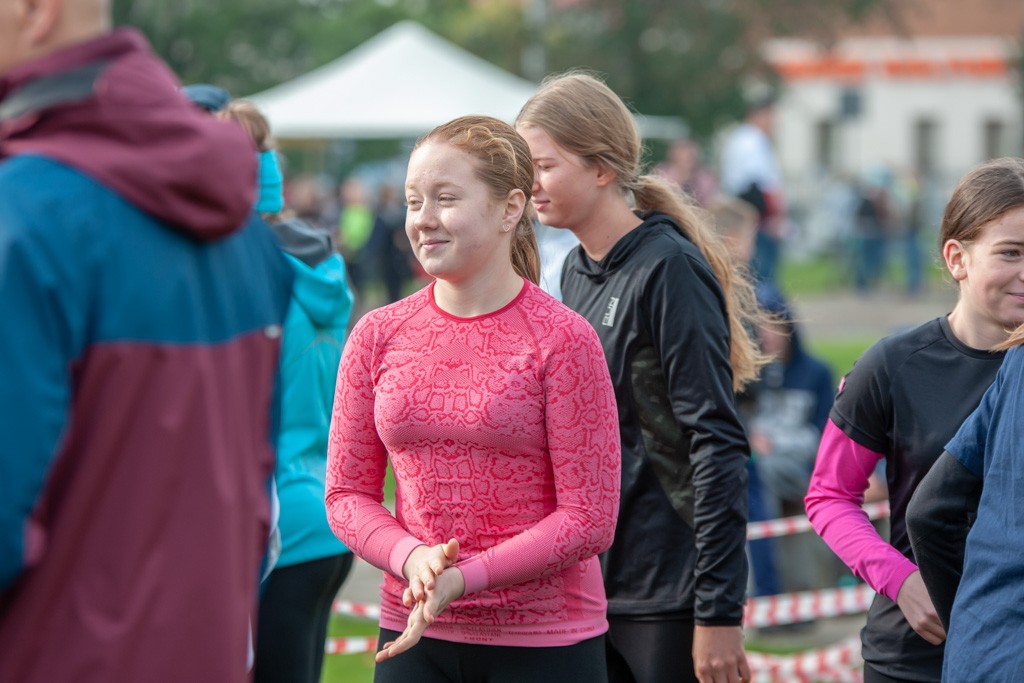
x=493 y=405
x=903 y=401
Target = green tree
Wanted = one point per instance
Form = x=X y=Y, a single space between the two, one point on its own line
x=248 y=45
x=687 y=58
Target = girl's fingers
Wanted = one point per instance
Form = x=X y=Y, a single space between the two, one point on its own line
x=383 y=653
x=416 y=586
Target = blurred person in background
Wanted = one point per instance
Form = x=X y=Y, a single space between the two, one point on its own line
x=683 y=167
x=143 y=305
x=784 y=412
x=876 y=218
x=792 y=399
x=355 y=226
x=296 y=599
x=789 y=407
x=750 y=170
x=910 y=211
x=903 y=401
x=308 y=200
x=735 y=222
x=389 y=243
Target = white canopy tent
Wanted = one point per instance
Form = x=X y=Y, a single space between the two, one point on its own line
x=400 y=84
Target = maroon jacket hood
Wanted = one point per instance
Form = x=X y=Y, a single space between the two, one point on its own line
x=136 y=133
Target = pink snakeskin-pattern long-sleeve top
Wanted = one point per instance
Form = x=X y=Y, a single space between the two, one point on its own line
x=502 y=431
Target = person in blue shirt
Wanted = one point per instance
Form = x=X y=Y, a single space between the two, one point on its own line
x=979 y=477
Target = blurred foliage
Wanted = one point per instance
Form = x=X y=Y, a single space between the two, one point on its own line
x=249 y=45
x=687 y=58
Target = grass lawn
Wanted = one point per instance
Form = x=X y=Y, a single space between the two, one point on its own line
x=357 y=668
x=839 y=354
x=818 y=275
x=829 y=272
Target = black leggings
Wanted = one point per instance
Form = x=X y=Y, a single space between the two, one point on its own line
x=292 y=628
x=441 y=661
x=649 y=651
x=872 y=675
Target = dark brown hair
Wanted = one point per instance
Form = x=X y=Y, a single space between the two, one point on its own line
x=987 y=192
x=983 y=195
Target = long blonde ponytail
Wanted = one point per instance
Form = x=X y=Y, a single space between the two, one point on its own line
x=651 y=193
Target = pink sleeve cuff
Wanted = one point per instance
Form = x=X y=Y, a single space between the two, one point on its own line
x=400 y=553
x=899 y=569
x=474 y=574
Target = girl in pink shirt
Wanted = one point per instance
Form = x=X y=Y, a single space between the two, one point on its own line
x=493 y=404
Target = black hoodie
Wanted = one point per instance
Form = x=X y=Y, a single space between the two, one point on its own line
x=661 y=316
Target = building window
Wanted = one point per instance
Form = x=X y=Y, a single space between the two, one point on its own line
x=994 y=139
x=926 y=134
x=825 y=145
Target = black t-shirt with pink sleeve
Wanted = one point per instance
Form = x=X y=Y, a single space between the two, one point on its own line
x=905 y=398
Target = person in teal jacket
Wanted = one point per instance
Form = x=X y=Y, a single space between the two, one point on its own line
x=296 y=598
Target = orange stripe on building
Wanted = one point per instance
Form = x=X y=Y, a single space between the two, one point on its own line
x=830 y=68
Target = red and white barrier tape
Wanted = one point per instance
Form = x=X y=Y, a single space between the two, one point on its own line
x=772 y=610
x=355 y=609
x=795 y=608
x=838 y=663
x=794 y=525
x=834 y=664
x=350 y=646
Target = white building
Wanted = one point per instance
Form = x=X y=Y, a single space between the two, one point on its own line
x=934 y=96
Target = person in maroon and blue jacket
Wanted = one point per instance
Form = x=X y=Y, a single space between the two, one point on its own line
x=142 y=305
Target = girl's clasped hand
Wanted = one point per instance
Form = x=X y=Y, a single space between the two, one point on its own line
x=431 y=589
